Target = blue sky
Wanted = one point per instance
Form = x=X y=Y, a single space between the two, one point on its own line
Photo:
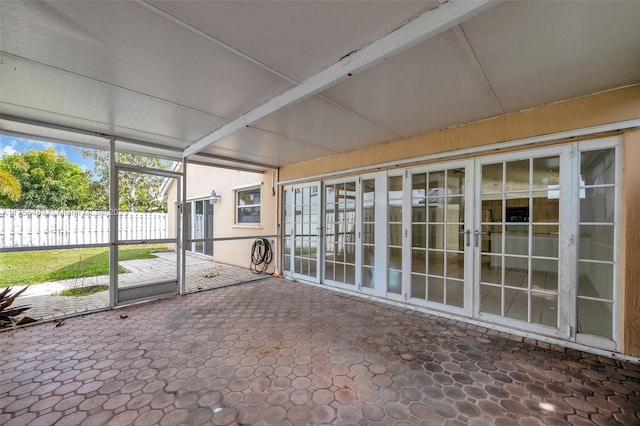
x=12 y=144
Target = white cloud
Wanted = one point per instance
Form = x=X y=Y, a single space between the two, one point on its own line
x=8 y=149
x=39 y=145
x=11 y=146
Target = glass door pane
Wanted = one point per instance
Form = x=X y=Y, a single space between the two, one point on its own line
x=437 y=236
x=394 y=246
x=208 y=227
x=198 y=225
x=340 y=233
x=519 y=244
x=287 y=235
x=189 y=226
x=368 y=232
x=301 y=231
x=596 y=262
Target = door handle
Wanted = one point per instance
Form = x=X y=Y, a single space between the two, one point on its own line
x=468 y=232
x=476 y=238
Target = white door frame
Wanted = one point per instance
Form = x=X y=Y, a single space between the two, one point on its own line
x=323 y=228
x=566 y=274
x=380 y=238
x=401 y=297
x=149 y=289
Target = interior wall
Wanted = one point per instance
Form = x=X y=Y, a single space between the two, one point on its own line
x=593 y=110
x=630 y=272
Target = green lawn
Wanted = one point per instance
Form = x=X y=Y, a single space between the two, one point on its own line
x=32 y=267
x=84 y=291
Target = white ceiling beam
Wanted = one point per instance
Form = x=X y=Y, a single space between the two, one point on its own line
x=429 y=24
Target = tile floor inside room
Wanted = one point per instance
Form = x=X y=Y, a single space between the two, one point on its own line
x=273 y=352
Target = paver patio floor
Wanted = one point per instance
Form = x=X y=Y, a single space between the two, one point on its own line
x=277 y=352
x=201 y=274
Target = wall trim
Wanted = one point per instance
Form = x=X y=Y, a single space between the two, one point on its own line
x=247 y=186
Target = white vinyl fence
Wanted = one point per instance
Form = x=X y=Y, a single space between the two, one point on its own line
x=38 y=228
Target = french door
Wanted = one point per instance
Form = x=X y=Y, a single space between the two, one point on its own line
x=518 y=239
x=301 y=236
x=546 y=259
x=340 y=232
x=441 y=247
x=526 y=239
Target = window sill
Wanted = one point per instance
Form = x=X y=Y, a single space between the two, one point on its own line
x=247 y=225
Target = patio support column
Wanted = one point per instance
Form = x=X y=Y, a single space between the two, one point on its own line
x=113 y=224
x=275 y=182
x=182 y=231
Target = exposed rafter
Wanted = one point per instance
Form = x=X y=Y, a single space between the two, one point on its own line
x=427 y=25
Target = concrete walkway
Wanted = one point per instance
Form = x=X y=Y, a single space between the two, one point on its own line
x=273 y=352
x=202 y=274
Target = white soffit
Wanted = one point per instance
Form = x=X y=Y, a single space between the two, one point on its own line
x=267 y=147
x=539 y=52
x=37 y=132
x=226 y=163
x=428 y=87
x=132 y=147
x=125 y=44
x=321 y=123
x=28 y=84
x=297 y=38
x=47 y=118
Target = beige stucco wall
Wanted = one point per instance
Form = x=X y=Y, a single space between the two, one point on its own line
x=598 y=109
x=201 y=180
x=631 y=243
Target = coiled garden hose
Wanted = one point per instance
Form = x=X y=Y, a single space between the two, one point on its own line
x=261 y=255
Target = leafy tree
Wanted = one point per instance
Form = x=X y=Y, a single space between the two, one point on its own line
x=9 y=186
x=137 y=192
x=47 y=180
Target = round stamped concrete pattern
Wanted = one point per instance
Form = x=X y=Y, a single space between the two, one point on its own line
x=273 y=352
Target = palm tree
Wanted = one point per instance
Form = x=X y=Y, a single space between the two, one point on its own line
x=9 y=186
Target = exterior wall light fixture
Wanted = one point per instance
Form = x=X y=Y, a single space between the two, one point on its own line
x=214 y=198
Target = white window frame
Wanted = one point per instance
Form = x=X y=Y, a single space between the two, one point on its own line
x=237 y=206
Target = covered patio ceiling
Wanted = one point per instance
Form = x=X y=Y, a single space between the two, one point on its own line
x=264 y=84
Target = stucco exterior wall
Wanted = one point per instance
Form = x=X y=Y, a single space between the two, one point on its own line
x=201 y=180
